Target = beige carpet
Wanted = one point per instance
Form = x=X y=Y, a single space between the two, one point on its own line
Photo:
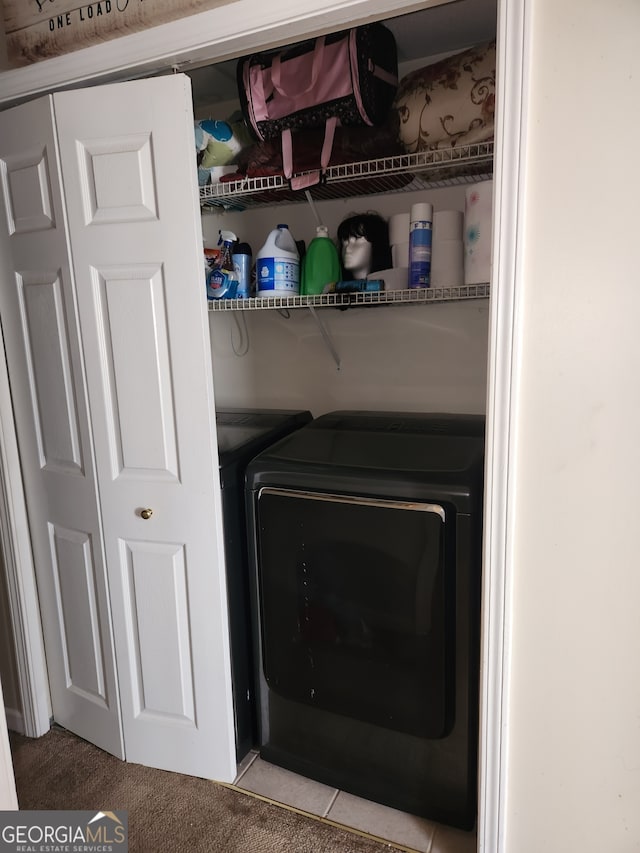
x=168 y=812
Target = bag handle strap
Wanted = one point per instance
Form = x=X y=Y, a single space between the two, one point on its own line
x=383 y=74
x=327 y=146
x=276 y=70
x=310 y=178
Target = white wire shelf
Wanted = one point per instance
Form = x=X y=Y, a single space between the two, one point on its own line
x=402 y=173
x=419 y=296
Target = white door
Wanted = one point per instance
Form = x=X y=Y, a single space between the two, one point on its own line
x=39 y=320
x=128 y=160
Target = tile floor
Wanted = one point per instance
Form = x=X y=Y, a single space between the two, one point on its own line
x=411 y=832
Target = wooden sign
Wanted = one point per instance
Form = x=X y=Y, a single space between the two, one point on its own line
x=40 y=29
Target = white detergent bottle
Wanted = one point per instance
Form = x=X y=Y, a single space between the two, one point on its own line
x=278 y=265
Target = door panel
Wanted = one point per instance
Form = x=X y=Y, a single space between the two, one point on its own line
x=131 y=306
x=135 y=226
x=27 y=186
x=78 y=613
x=157 y=575
x=40 y=327
x=118 y=179
x=50 y=375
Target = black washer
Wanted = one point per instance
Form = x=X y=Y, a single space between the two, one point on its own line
x=365 y=575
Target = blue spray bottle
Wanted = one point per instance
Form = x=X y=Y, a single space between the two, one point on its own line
x=223 y=280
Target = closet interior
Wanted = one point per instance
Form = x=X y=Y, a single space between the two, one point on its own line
x=400 y=351
x=396 y=351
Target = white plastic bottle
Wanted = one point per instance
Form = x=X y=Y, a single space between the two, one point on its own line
x=420 y=233
x=278 y=265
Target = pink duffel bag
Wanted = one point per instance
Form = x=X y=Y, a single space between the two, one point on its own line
x=347 y=78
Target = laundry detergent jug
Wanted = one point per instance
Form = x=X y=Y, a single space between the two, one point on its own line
x=321 y=264
x=278 y=265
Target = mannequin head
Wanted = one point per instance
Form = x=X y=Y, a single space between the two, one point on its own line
x=364 y=242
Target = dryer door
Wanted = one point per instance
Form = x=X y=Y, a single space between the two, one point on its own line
x=356 y=602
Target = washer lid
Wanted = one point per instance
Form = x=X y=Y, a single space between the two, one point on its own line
x=243 y=429
x=369 y=455
x=403 y=422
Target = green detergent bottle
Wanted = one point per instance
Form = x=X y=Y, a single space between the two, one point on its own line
x=321 y=263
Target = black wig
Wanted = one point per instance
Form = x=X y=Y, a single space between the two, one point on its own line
x=373 y=228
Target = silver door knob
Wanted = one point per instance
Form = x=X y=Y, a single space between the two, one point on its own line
x=146 y=513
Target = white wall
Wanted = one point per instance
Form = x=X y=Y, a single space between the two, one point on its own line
x=411 y=358
x=419 y=358
x=573 y=745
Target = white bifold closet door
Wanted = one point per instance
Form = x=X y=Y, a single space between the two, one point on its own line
x=109 y=359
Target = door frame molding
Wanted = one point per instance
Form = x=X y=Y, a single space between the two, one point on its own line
x=143 y=53
x=8 y=796
x=503 y=388
x=15 y=541
x=23 y=597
